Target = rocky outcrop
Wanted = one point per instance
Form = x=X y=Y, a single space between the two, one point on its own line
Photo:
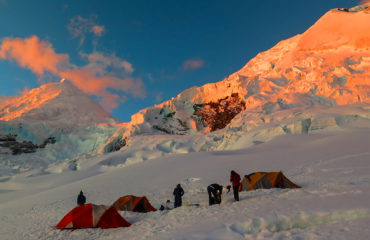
x=217 y=115
x=50 y=140
x=10 y=141
x=115 y=145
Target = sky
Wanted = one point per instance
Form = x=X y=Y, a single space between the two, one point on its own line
x=129 y=55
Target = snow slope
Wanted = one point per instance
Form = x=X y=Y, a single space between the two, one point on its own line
x=246 y=130
x=332 y=167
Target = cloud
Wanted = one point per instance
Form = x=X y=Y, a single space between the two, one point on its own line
x=98 y=60
x=98 y=30
x=79 y=27
x=38 y=56
x=111 y=101
x=24 y=91
x=192 y=64
x=102 y=73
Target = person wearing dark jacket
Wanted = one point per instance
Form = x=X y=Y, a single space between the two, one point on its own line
x=178 y=192
x=214 y=193
x=81 y=199
x=235 y=180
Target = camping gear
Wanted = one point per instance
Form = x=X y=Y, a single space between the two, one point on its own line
x=93 y=216
x=192 y=204
x=134 y=204
x=265 y=180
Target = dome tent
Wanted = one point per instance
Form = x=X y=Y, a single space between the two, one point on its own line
x=134 y=204
x=265 y=180
x=92 y=216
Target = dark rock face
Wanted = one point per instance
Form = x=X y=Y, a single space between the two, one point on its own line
x=217 y=115
x=50 y=140
x=116 y=145
x=10 y=141
x=120 y=144
x=8 y=138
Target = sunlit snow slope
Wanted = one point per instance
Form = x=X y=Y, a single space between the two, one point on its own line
x=325 y=67
x=55 y=104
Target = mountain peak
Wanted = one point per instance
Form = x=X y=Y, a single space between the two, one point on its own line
x=326 y=66
x=58 y=102
x=339 y=28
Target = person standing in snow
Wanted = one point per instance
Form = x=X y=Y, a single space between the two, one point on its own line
x=178 y=192
x=235 y=179
x=81 y=199
x=214 y=193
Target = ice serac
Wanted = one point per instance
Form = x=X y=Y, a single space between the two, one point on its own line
x=326 y=66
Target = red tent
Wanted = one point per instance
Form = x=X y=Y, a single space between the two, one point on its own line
x=93 y=216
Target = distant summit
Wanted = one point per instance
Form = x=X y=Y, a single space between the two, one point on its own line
x=59 y=103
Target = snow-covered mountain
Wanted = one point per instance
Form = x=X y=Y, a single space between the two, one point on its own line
x=54 y=122
x=55 y=104
x=325 y=67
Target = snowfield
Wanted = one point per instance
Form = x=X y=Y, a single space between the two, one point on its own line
x=332 y=166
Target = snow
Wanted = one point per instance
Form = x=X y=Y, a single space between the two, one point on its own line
x=245 y=130
x=331 y=166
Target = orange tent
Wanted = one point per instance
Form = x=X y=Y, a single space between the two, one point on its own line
x=93 y=216
x=133 y=203
x=258 y=180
